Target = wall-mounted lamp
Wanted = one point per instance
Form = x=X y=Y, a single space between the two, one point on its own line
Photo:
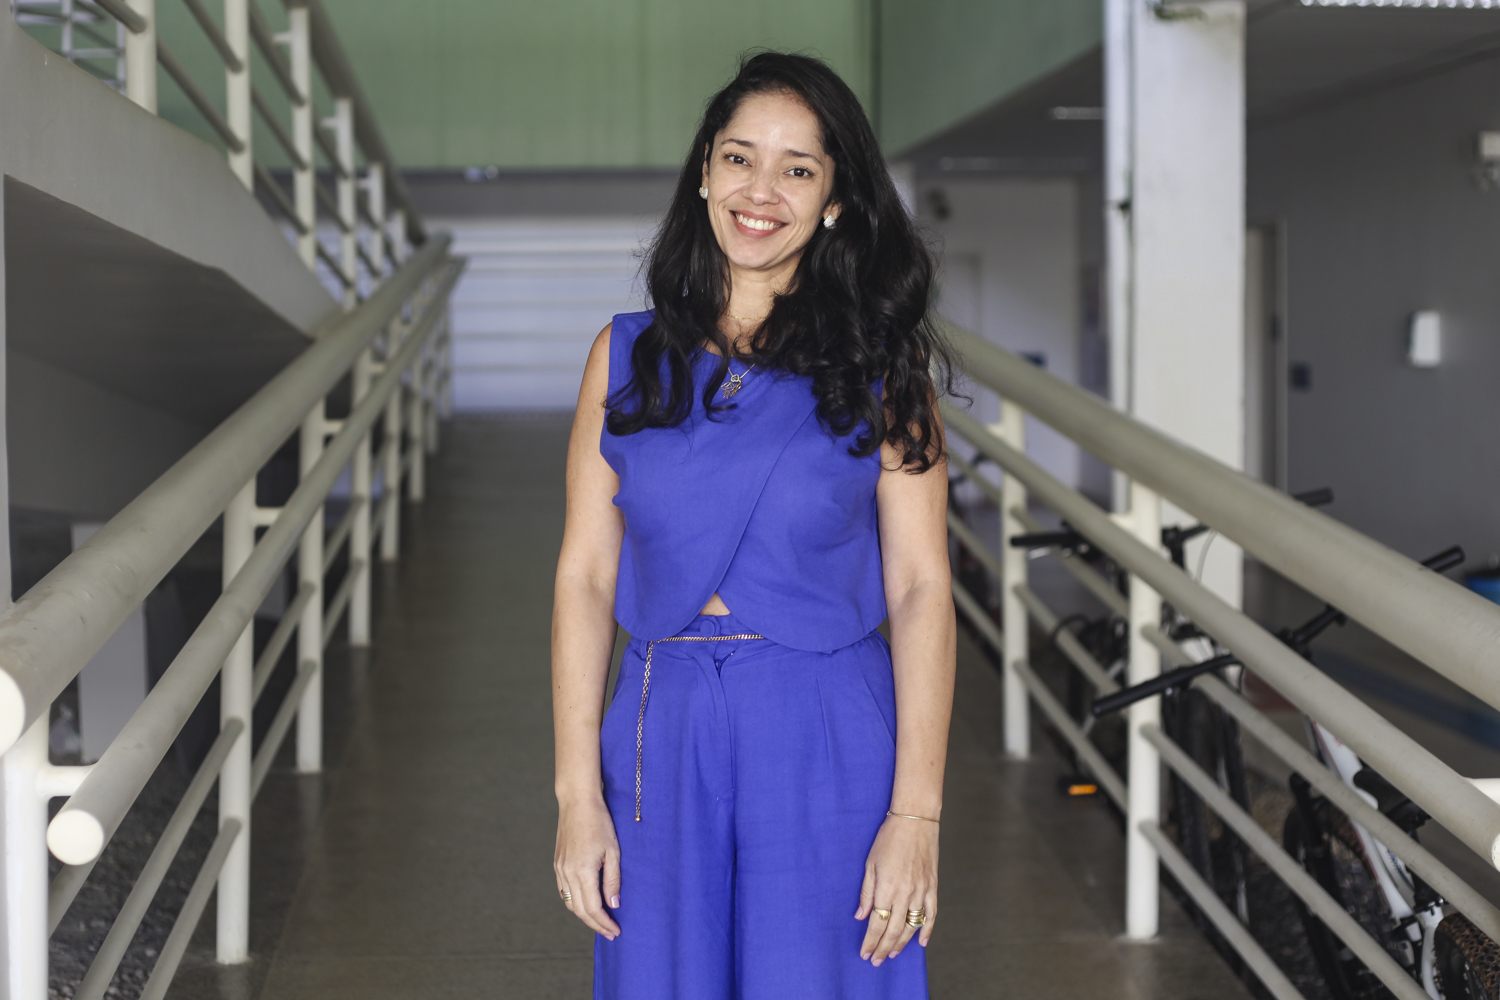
x=1424 y=339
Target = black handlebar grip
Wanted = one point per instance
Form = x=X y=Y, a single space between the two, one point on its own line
x=1156 y=685
x=1445 y=560
x=1315 y=498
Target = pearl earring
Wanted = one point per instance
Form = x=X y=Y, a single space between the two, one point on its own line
x=828 y=221
x=703 y=193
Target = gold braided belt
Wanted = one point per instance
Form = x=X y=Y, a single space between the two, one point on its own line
x=640 y=722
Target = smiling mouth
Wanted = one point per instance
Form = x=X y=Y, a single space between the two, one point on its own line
x=757 y=225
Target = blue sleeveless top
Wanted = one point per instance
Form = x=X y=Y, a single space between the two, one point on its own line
x=762 y=504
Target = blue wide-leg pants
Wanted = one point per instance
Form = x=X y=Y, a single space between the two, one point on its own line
x=765 y=773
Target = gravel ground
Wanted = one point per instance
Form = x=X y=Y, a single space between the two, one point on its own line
x=88 y=920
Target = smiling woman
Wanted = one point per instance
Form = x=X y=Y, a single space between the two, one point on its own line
x=756 y=482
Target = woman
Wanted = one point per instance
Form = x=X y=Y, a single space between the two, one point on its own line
x=755 y=482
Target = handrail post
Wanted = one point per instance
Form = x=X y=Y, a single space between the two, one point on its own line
x=432 y=375
x=399 y=245
x=1012 y=430
x=304 y=178
x=361 y=493
x=390 y=539
x=140 y=57
x=237 y=701
x=416 y=422
x=310 y=628
x=375 y=200
x=237 y=112
x=23 y=851
x=1143 y=778
x=342 y=124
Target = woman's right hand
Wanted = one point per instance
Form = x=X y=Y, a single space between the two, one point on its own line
x=586 y=845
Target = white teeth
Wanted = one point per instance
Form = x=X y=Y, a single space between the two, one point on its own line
x=762 y=224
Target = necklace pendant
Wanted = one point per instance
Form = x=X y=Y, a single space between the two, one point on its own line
x=732 y=386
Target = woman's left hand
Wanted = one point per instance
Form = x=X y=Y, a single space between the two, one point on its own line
x=900 y=875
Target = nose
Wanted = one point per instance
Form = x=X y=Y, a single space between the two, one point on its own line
x=762 y=189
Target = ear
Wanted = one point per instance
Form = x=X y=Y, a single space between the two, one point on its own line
x=834 y=209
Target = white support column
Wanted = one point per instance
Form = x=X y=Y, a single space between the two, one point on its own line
x=1012 y=430
x=237 y=702
x=416 y=423
x=390 y=532
x=304 y=195
x=310 y=628
x=359 y=534
x=237 y=107
x=140 y=57
x=1118 y=139
x=23 y=839
x=1143 y=776
x=1175 y=184
x=342 y=124
x=433 y=379
x=375 y=200
x=401 y=249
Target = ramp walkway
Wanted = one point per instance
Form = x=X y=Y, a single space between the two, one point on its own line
x=430 y=870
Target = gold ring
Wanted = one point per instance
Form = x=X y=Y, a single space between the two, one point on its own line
x=916 y=918
x=882 y=914
x=567 y=897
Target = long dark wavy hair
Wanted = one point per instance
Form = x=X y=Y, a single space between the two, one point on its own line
x=855 y=311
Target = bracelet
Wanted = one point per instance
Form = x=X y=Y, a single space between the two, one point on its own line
x=909 y=816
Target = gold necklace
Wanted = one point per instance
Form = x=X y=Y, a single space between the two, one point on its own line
x=735 y=382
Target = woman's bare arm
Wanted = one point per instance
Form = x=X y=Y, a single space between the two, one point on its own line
x=583 y=636
x=902 y=870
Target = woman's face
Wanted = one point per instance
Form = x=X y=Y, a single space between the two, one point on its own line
x=768 y=181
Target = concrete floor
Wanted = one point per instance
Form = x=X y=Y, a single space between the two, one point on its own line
x=428 y=871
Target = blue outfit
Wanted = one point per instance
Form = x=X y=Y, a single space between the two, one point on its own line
x=747 y=758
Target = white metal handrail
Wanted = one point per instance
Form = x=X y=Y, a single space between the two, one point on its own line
x=395 y=346
x=1452 y=630
x=1253 y=515
x=373 y=234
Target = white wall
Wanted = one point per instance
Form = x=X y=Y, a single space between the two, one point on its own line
x=1383 y=216
x=534 y=296
x=1011 y=273
x=77 y=448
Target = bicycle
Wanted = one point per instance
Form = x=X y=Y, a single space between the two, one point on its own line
x=1443 y=951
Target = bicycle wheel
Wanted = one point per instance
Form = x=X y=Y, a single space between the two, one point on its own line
x=1329 y=852
x=1468 y=962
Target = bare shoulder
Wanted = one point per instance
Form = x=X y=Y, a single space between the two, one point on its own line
x=596 y=372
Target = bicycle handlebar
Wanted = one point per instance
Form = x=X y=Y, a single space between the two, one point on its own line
x=1156 y=685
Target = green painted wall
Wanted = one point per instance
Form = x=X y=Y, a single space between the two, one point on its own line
x=943 y=60
x=620 y=84
x=571 y=83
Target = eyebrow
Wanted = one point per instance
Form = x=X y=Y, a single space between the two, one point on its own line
x=790 y=152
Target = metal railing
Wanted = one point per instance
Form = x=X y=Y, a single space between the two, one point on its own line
x=344 y=145
x=1452 y=630
x=391 y=347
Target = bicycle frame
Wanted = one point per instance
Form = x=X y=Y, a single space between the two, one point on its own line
x=1397 y=886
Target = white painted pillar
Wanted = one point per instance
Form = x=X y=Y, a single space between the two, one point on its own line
x=1143 y=766
x=140 y=57
x=1175 y=214
x=304 y=196
x=1016 y=648
x=23 y=841
x=310 y=628
x=360 y=492
x=237 y=701
x=375 y=199
x=237 y=96
x=342 y=124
